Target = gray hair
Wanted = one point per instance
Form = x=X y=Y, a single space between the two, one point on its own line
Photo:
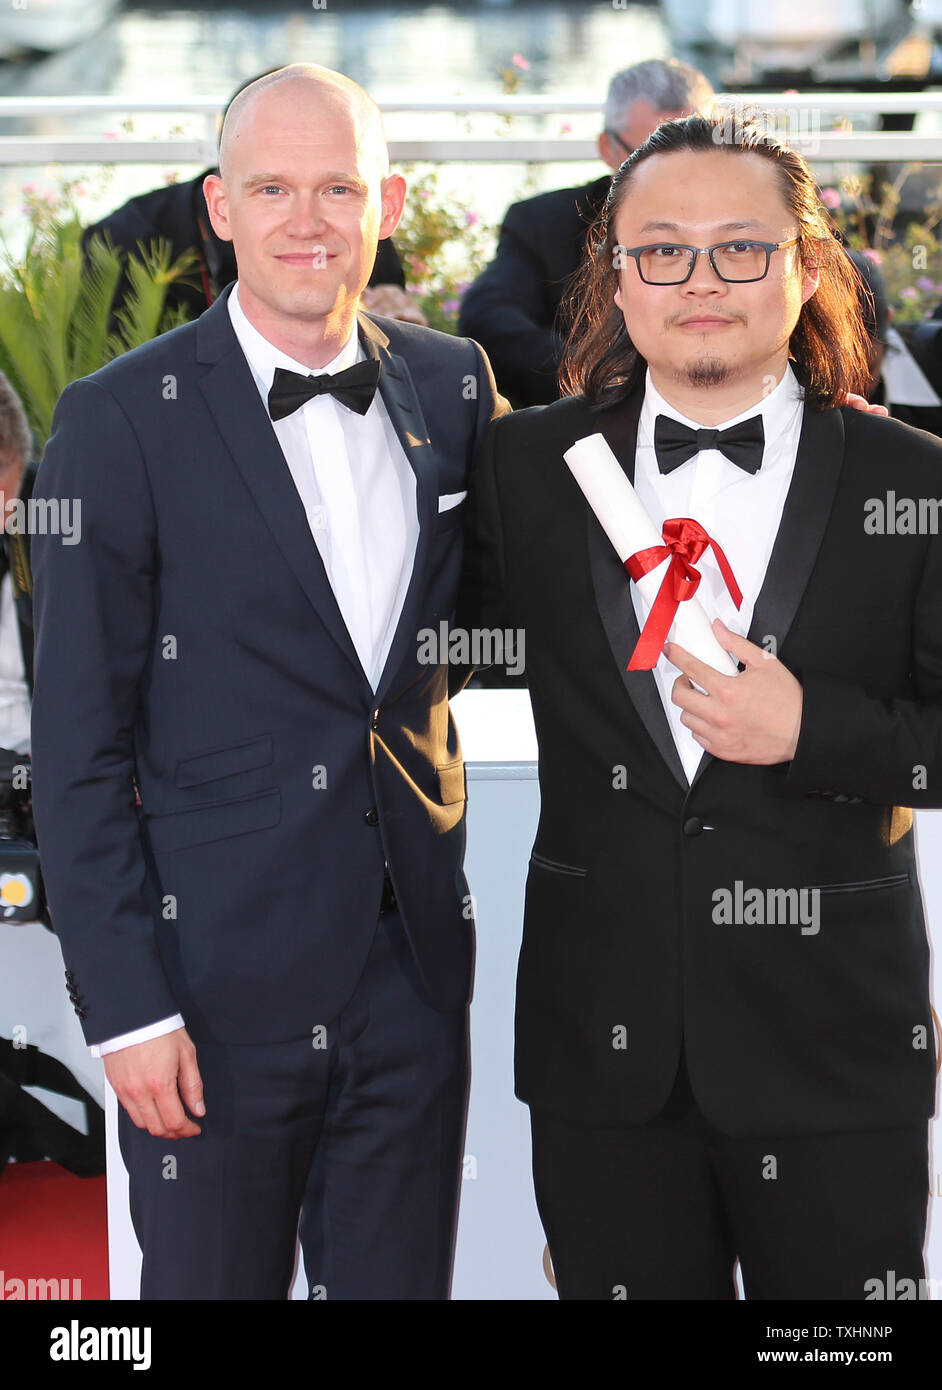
x=668 y=86
x=16 y=439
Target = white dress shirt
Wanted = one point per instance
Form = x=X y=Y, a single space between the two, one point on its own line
x=14 y=690
x=741 y=511
x=358 y=492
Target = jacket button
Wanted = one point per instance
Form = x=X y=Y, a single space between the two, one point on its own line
x=372 y=816
x=374 y=722
x=693 y=826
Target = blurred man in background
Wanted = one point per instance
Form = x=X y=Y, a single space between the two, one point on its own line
x=905 y=359
x=512 y=307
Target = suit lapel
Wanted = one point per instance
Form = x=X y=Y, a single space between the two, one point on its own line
x=805 y=516
x=401 y=400
x=804 y=520
x=241 y=418
x=619 y=425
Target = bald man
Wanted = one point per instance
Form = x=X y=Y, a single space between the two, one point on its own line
x=247 y=782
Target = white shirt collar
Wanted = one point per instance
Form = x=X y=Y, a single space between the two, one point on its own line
x=263 y=357
x=777 y=408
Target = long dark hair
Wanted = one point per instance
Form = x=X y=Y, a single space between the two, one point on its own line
x=829 y=341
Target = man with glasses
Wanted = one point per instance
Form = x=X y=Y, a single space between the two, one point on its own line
x=723 y=1026
x=512 y=307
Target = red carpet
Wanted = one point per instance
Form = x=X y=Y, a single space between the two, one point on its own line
x=53 y=1227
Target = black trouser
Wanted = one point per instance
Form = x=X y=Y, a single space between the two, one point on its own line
x=361 y=1137
x=663 y=1210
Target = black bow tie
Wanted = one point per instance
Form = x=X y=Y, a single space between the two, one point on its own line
x=742 y=444
x=354 y=388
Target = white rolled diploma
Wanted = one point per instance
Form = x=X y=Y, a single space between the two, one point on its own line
x=630 y=529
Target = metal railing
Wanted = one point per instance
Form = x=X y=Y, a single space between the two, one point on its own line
x=808 y=114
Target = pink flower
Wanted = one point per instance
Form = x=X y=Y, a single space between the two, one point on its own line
x=830 y=197
x=875 y=256
x=29 y=188
x=471 y=219
x=450 y=306
x=565 y=128
x=520 y=62
x=910 y=292
x=924 y=283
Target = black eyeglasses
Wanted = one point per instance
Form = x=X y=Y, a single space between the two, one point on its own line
x=613 y=135
x=734 y=261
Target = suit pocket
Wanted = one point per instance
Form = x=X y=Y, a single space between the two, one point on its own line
x=220 y=820
x=224 y=762
x=451 y=782
x=867 y=885
x=451 y=518
x=553 y=866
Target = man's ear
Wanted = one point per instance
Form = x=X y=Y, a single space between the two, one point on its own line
x=606 y=153
x=393 y=196
x=810 y=279
x=214 y=191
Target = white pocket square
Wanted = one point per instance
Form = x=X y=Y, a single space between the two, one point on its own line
x=449 y=500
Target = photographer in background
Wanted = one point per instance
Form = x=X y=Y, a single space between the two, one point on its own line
x=41 y=1043
x=17 y=471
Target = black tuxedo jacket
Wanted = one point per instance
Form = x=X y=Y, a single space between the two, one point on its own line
x=512 y=307
x=623 y=956
x=192 y=641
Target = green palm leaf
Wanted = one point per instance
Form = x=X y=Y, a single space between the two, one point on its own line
x=92 y=313
x=56 y=321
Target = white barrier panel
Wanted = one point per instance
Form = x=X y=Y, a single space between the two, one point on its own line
x=929 y=846
x=501 y=1249
x=35 y=1011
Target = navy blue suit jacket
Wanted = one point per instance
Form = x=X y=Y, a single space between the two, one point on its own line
x=191 y=641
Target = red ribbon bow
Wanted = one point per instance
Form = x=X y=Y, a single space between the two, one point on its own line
x=685 y=540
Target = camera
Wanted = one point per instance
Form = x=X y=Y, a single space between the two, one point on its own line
x=21 y=891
